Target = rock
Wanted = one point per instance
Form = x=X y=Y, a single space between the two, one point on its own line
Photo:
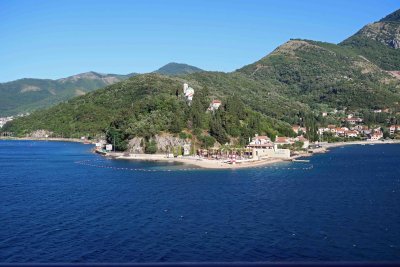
x=40 y=134
x=134 y=145
x=166 y=142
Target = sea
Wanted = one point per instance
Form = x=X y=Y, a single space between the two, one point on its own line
x=62 y=203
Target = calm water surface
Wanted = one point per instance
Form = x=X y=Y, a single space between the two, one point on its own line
x=347 y=208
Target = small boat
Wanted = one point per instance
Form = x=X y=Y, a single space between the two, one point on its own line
x=101 y=152
x=300 y=160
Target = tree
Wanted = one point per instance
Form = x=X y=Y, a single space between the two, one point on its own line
x=208 y=141
x=150 y=147
x=217 y=130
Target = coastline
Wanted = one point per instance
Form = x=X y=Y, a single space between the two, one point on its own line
x=219 y=164
x=52 y=139
x=210 y=163
x=199 y=162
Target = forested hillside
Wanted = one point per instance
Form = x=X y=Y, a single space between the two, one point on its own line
x=26 y=95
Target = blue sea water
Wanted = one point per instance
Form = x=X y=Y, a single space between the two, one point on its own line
x=346 y=208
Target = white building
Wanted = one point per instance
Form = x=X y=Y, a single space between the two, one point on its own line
x=376 y=136
x=261 y=146
x=214 y=105
x=188 y=92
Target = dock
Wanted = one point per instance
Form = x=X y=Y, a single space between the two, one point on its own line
x=300 y=160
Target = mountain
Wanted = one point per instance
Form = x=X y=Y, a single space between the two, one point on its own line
x=379 y=42
x=322 y=73
x=177 y=69
x=292 y=85
x=26 y=95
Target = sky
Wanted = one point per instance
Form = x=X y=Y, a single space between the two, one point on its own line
x=55 y=39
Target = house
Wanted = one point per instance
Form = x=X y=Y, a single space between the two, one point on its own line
x=353 y=120
x=324 y=114
x=351 y=133
x=260 y=140
x=321 y=131
x=214 y=105
x=394 y=128
x=359 y=127
x=376 y=136
x=282 y=140
x=340 y=131
x=305 y=141
x=261 y=146
x=297 y=129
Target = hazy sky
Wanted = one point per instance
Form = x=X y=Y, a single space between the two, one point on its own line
x=58 y=38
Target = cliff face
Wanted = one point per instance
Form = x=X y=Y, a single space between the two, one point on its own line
x=379 y=42
x=387 y=33
x=165 y=143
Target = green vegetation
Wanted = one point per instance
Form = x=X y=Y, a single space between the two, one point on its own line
x=317 y=73
x=177 y=69
x=385 y=57
x=379 y=42
x=147 y=105
x=27 y=95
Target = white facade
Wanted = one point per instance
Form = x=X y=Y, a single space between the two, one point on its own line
x=189 y=93
x=214 y=105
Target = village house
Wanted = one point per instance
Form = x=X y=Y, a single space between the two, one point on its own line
x=260 y=140
x=341 y=131
x=261 y=146
x=353 y=120
x=321 y=131
x=298 y=129
x=376 y=136
x=351 y=133
x=282 y=140
x=394 y=128
x=305 y=141
x=362 y=129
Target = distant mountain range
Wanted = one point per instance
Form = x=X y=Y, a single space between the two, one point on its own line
x=297 y=81
x=28 y=94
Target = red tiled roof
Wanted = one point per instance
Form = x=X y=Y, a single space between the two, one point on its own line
x=262 y=137
x=281 y=140
x=302 y=138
